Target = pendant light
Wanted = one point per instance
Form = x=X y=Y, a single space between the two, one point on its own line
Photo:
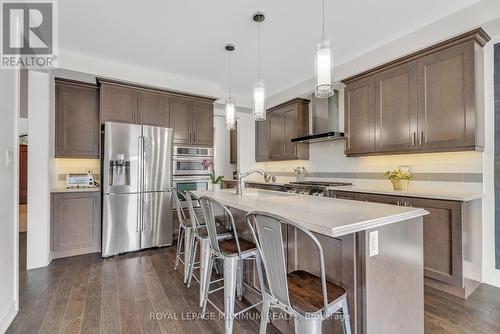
x=324 y=87
x=259 y=88
x=230 y=103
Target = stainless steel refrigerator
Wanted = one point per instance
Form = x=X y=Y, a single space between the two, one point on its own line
x=136 y=182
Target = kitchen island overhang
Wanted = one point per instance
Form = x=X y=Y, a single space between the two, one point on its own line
x=385 y=291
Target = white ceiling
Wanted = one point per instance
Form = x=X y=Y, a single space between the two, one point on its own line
x=186 y=37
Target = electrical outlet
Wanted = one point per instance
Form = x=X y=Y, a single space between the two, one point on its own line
x=373 y=243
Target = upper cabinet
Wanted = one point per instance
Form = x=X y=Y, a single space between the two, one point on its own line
x=261 y=147
x=284 y=122
x=202 y=123
x=153 y=109
x=429 y=101
x=77 y=130
x=125 y=104
x=233 y=145
x=192 y=121
x=191 y=117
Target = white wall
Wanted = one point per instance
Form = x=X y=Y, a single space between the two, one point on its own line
x=41 y=143
x=490 y=274
x=9 y=111
x=222 y=144
x=246 y=141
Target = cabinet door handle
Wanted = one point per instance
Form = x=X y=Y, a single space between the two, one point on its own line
x=421 y=138
x=190 y=136
x=194 y=137
x=413 y=138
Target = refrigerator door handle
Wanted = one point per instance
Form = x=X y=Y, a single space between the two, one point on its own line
x=139 y=198
x=142 y=182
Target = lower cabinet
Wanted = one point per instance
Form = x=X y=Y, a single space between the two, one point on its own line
x=275 y=187
x=75 y=223
x=443 y=241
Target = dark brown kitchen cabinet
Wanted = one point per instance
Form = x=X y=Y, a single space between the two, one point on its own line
x=153 y=109
x=180 y=119
x=192 y=121
x=118 y=104
x=443 y=241
x=429 y=101
x=202 y=124
x=360 y=117
x=396 y=109
x=127 y=104
x=287 y=121
x=233 y=145
x=261 y=141
x=23 y=174
x=447 y=111
x=190 y=116
x=265 y=186
x=75 y=223
x=77 y=131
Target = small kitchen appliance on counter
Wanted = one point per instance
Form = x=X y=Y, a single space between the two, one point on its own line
x=80 y=180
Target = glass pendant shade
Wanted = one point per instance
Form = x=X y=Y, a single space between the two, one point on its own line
x=230 y=114
x=259 y=100
x=324 y=87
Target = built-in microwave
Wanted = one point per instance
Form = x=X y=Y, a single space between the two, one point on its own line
x=192 y=151
x=187 y=160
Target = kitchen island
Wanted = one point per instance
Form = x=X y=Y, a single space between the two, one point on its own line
x=385 y=290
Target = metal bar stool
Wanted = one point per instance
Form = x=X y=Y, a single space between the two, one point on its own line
x=232 y=252
x=201 y=237
x=307 y=298
x=186 y=230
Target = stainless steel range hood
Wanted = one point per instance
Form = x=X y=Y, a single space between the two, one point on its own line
x=325 y=120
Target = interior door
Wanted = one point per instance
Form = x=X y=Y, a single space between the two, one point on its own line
x=120 y=230
x=157 y=158
x=157 y=219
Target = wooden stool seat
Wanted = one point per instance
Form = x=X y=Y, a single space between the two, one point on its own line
x=229 y=246
x=222 y=231
x=306 y=294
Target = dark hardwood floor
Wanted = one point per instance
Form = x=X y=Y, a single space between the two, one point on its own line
x=88 y=294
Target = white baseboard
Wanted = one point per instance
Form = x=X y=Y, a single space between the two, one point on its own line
x=6 y=320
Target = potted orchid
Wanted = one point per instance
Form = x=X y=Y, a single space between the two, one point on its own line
x=216 y=180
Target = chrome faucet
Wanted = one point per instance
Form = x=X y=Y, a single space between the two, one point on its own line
x=240 y=176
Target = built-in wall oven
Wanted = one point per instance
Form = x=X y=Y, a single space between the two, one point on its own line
x=188 y=173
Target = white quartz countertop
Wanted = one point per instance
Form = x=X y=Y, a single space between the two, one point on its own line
x=75 y=190
x=443 y=194
x=328 y=216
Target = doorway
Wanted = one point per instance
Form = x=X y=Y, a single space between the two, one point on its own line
x=23 y=167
